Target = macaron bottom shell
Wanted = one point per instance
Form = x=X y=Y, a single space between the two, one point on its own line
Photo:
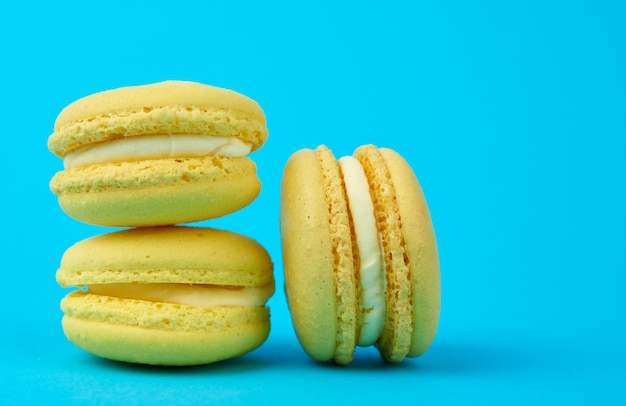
x=420 y=245
x=157 y=333
x=157 y=192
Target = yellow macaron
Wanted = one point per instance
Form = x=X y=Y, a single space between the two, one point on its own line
x=158 y=154
x=170 y=295
x=359 y=254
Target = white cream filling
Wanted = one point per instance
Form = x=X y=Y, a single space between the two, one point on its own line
x=371 y=271
x=156 y=147
x=187 y=294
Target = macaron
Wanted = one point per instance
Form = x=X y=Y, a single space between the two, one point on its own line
x=360 y=257
x=172 y=295
x=165 y=153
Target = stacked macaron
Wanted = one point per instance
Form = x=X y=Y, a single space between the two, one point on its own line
x=151 y=157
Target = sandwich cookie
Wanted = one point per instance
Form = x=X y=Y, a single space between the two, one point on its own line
x=359 y=254
x=165 y=153
x=170 y=295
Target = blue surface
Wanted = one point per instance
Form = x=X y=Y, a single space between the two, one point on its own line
x=511 y=114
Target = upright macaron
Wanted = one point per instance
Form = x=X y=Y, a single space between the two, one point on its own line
x=359 y=254
x=172 y=295
x=158 y=154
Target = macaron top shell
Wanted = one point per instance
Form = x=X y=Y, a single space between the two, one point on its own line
x=307 y=255
x=176 y=254
x=319 y=256
x=170 y=107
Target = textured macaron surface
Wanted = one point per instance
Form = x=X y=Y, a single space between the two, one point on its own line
x=171 y=107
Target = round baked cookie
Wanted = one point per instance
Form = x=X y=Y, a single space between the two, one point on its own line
x=359 y=255
x=159 y=154
x=170 y=295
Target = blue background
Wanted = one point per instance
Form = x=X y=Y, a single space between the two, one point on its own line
x=512 y=115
